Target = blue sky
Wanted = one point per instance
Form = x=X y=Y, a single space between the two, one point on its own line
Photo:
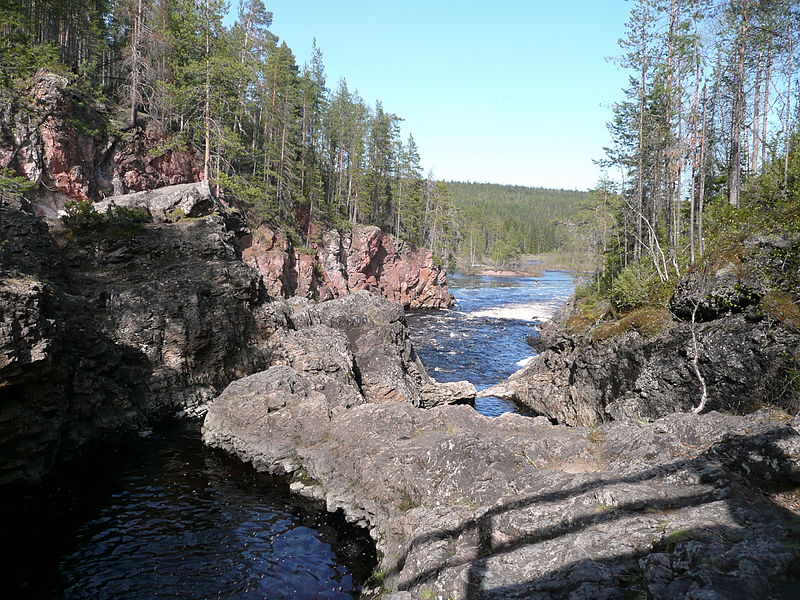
x=510 y=91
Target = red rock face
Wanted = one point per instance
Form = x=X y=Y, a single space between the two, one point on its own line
x=58 y=149
x=366 y=259
x=148 y=162
x=60 y=142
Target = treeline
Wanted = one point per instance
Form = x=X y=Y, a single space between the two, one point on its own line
x=702 y=141
x=500 y=222
x=271 y=132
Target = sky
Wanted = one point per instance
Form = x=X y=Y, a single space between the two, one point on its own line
x=506 y=91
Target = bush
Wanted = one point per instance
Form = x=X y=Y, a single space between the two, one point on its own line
x=117 y=222
x=81 y=216
x=639 y=285
x=13 y=185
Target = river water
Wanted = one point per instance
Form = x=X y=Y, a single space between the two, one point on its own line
x=165 y=517
x=484 y=338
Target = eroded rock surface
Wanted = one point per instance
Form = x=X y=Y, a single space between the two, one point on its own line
x=61 y=140
x=464 y=506
x=168 y=204
x=746 y=308
x=341 y=264
x=100 y=337
x=387 y=367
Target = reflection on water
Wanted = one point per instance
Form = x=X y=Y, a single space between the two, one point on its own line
x=168 y=518
x=483 y=338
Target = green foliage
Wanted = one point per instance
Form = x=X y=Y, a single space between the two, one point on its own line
x=639 y=285
x=13 y=185
x=648 y=321
x=503 y=221
x=81 y=216
x=118 y=222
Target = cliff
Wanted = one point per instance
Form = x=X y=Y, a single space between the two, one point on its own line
x=106 y=329
x=104 y=334
x=339 y=264
x=70 y=148
x=733 y=327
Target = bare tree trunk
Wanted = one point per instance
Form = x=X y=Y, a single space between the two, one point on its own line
x=702 y=190
x=788 y=125
x=207 y=106
x=696 y=363
x=765 y=108
x=135 y=60
x=754 y=154
x=737 y=120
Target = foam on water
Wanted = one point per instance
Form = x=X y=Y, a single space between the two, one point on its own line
x=534 y=311
x=524 y=362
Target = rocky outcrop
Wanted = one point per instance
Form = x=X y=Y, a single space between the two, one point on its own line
x=464 y=506
x=340 y=264
x=642 y=366
x=386 y=366
x=168 y=204
x=62 y=141
x=101 y=336
x=65 y=143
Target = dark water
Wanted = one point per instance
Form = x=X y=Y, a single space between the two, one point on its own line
x=483 y=339
x=165 y=517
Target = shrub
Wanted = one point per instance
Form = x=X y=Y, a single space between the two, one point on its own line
x=117 y=222
x=639 y=285
x=81 y=216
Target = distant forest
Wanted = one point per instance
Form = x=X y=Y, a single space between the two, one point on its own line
x=500 y=222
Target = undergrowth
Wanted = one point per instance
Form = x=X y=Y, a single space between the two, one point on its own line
x=118 y=222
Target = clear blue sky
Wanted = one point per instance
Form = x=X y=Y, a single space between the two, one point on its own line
x=509 y=91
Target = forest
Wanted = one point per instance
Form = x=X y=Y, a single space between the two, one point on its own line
x=501 y=222
x=704 y=145
x=273 y=134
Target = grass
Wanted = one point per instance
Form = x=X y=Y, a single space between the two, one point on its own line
x=648 y=321
x=678 y=536
x=781 y=307
x=406 y=502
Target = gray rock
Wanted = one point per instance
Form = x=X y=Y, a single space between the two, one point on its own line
x=101 y=338
x=745 y=360
x=463 y=506
x=386 y=366
x=168 y=204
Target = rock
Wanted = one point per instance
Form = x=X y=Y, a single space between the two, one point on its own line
x=58 y=138
x=152 y=159
x=461 y=504
x=716 y=289
x=99 y=338
x=747 y=340
x=365 y=259
x=385 y=363
x=169 y=204
x=631 y=376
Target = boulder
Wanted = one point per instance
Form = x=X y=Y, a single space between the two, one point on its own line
x=385 y=363
x=168 y=204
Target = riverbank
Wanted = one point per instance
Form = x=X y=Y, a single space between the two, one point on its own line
x=464 y=506
x=531 y=265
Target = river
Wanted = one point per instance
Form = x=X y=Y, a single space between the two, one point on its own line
x=165 y=517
